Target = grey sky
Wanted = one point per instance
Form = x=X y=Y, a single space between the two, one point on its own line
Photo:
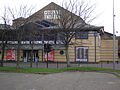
x=103 y=7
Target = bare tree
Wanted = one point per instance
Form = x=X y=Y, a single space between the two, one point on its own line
x=75 y=17
x=18 y=16
x=4 y=34
x=3 y=45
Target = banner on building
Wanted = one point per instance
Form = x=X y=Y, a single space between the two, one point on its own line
x=10 y=54
x=50 y=56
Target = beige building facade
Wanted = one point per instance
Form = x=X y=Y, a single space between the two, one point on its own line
x=90 y=46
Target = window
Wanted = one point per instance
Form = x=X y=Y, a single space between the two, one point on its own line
x=60 y=39
x=25 y=42
x=82 y=54
x=12 y=42
x=81 y=35
x=51 y=14
x=49 y=37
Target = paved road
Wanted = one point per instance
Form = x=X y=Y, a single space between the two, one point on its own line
x=59 y=81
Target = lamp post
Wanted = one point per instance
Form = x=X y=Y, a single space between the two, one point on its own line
x=114 y=48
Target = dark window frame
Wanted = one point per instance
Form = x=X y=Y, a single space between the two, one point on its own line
x=81 y=35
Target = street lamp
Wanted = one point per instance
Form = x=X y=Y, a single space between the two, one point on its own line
x=114 y=48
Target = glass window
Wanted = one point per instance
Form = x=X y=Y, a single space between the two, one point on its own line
x=81 y=35
x=60 y=39
x=81 y=53
x=25 y=42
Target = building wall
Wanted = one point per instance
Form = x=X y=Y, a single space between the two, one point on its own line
x=98 y=50
x=107 y=50
x=40 y=55
x=39 y=15
x=104 y=50
x=119 y=47
x=90 y=43
x=58 y=56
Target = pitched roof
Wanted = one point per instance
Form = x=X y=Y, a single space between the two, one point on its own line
x=3 y=26
x=38 y=24
x=51 y=6
x=39 y=15
x=20 y=18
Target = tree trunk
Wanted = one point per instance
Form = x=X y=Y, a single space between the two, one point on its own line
x=18 y=55
x=67 y=56
x=31 y=58
x=18 y=59
x=31 y=55
x=3 y=52
x=2 y=58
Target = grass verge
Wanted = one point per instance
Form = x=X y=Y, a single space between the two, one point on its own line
x=52 y=70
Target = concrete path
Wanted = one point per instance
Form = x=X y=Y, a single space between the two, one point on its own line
x=59 y=81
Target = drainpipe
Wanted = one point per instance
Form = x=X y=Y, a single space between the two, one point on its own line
x=42 y=47
x=95 y=34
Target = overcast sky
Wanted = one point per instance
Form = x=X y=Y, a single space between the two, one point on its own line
x=103 y=7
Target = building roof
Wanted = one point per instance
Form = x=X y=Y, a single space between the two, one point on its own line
x=37 y=19
x=20 y=18
x=36 y=22
x=47 y=25
x=51 y=6
x=3 y=26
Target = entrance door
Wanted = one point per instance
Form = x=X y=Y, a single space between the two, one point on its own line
x=35 y=55
x=27 y=55
x=82 y=54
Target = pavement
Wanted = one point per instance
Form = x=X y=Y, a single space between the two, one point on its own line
x=59 y=81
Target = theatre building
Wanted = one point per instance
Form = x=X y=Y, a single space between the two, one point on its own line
x=92 y=44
